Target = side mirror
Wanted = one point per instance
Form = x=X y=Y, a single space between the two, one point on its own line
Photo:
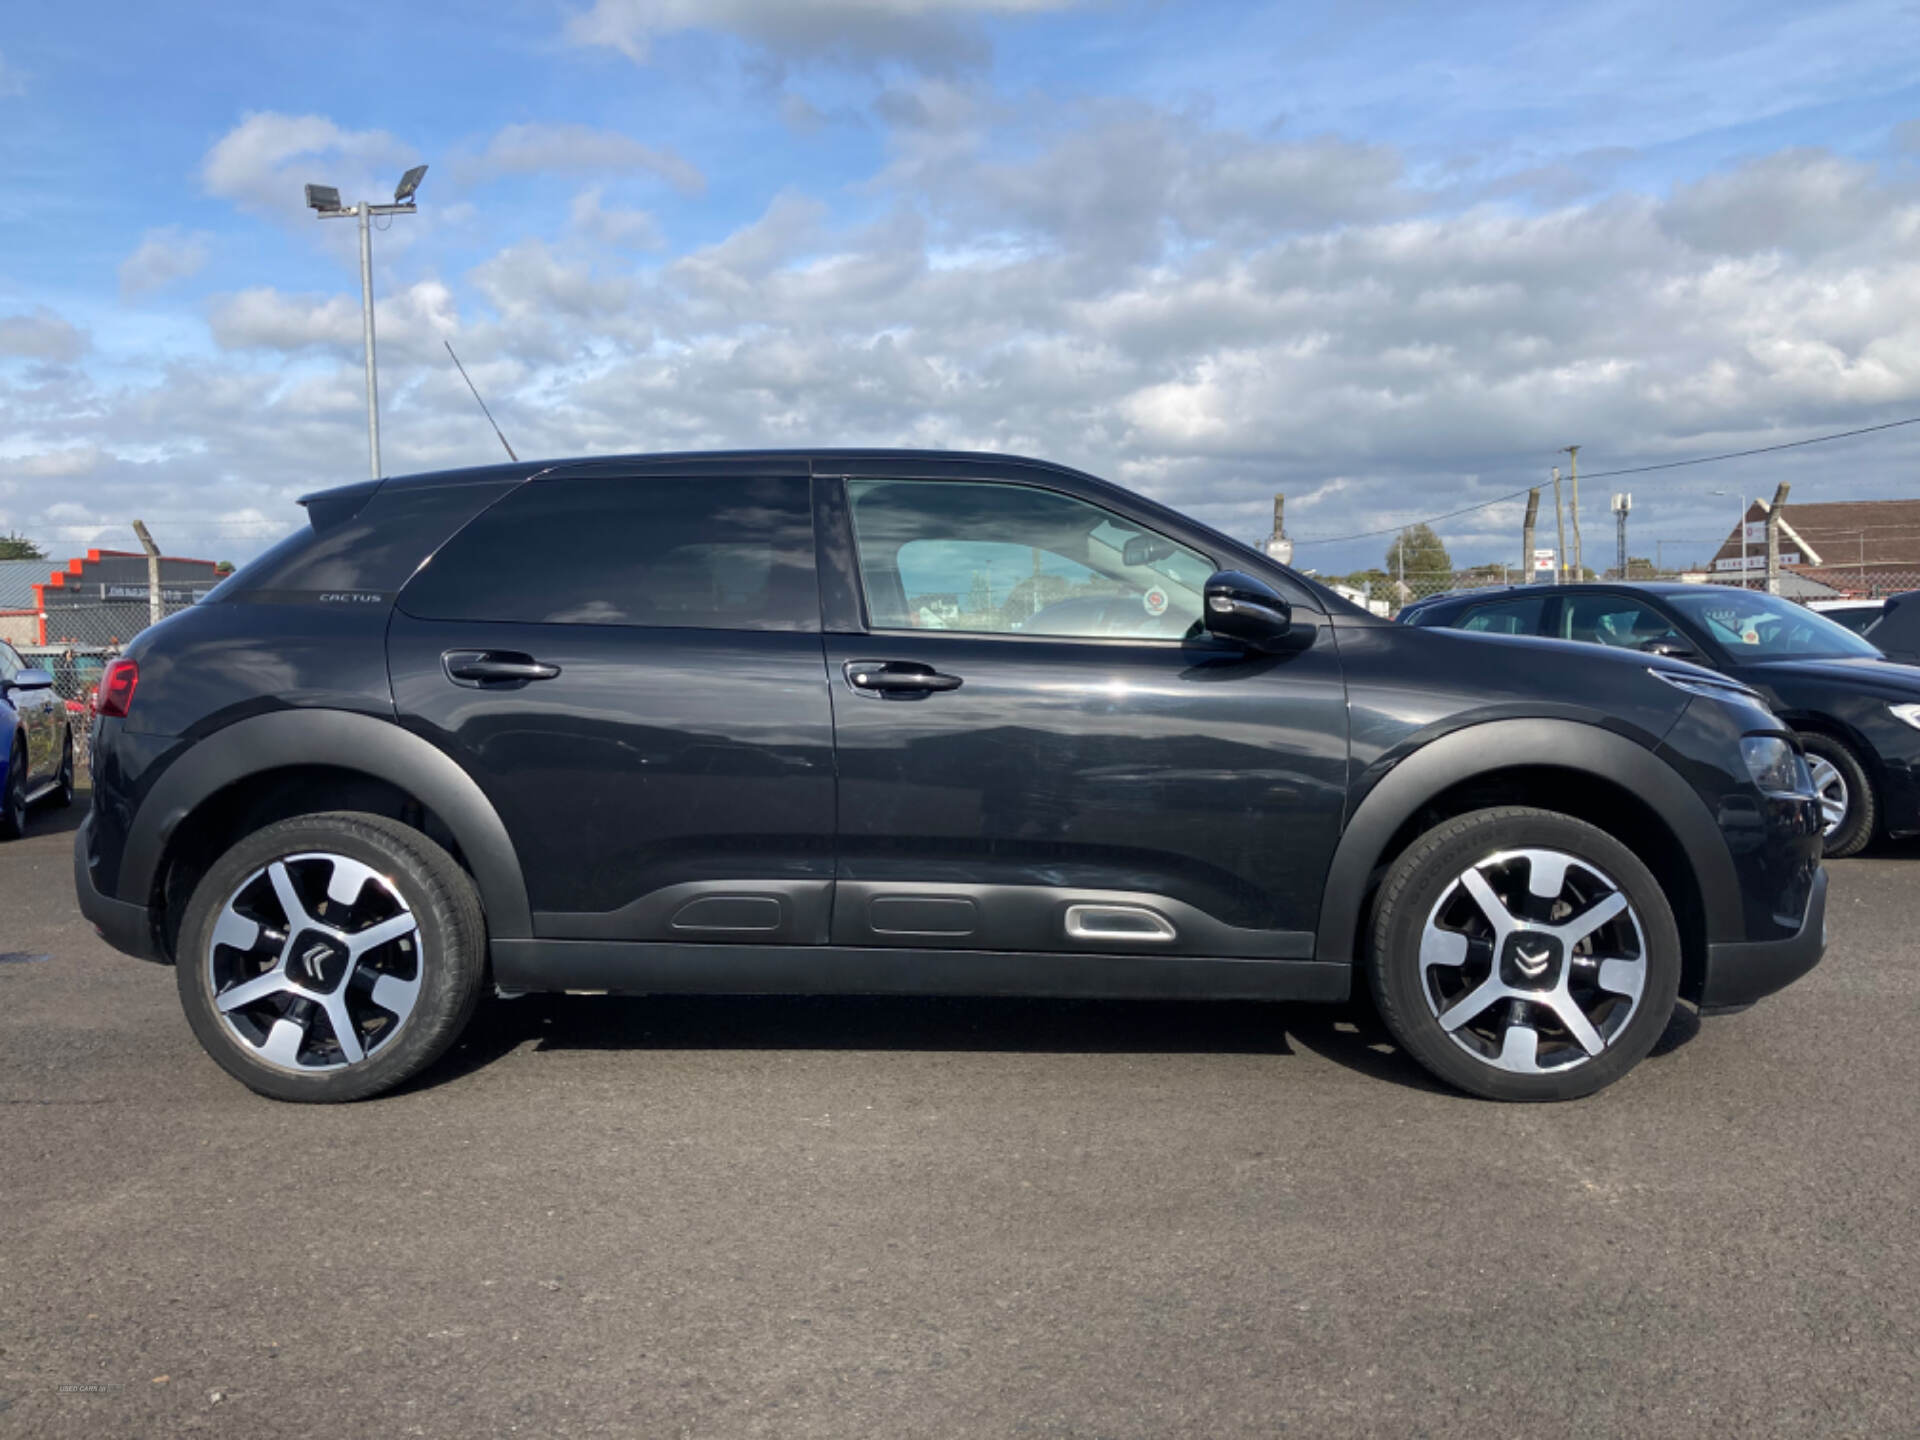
x=31 y=680
x=1250 y=611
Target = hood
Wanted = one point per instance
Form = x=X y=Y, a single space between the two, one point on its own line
x=1880 y=677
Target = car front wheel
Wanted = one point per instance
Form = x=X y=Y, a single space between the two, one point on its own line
x=13 y=798
x=1848 y=809
x=331 y=957
x=1521 y=954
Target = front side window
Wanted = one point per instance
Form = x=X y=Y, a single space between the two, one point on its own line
x=1003 y=559
x=711 y=554
x=1505 y=617
x=10 y=662
x=1753 y=625
x=1615 y=620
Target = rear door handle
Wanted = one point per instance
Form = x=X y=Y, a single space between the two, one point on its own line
x=501 y=669
x=897 y=677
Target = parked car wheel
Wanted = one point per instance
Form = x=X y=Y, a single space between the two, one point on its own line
x=1520 y=954
x=331 y=957
x=13 y=804
x=1848 y=808
x=63 y=786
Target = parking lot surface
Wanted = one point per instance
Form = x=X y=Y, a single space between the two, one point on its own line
x=880 y=1217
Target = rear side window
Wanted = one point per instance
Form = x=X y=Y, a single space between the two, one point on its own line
x=1505 y=617
x=707 y=553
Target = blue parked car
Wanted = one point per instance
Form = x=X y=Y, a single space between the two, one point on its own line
x=37 y=735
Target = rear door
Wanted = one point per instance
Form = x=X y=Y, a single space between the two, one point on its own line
x=1040 y=751
x=629 y=665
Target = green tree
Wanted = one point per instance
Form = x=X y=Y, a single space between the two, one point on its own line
x=1422 y=553
x=18 y=547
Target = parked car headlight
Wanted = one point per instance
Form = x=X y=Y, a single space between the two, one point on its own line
x=1777 y=768
x=1908 y=713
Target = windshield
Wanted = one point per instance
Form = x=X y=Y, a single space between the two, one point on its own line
x=1756 y=626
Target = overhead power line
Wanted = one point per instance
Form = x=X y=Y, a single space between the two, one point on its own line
x=1609 y=474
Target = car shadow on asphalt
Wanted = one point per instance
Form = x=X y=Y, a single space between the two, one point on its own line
x=53 y=820
x=1349 y=1035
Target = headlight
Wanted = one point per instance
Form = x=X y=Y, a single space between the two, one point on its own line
x=1715 y=688
x=1908 y=713
x=1775 y=765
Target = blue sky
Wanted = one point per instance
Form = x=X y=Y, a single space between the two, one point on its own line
x=1383 y=257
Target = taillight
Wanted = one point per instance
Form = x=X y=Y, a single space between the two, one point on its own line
x=116 y=688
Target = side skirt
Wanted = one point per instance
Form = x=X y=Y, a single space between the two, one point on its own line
x=664 y=968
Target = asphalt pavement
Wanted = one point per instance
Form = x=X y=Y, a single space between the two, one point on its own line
x=845 y=1218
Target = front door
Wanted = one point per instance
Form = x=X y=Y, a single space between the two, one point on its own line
x=1039 y=749
x=630 y=667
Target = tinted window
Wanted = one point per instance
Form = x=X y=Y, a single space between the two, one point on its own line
x=371 y=551
x=1519 y=616
x=10 y=663
x=1857 y=618
x=1614 y=620
x=1013 y=559
x=715 y=554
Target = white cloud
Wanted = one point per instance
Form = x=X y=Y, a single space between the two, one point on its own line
x=164 y=256
x=578 y=148
x=934 y=35
x=618 y=229
x=41 y=334
x=263 y=162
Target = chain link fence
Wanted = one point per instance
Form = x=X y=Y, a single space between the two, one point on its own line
x=1388 y=595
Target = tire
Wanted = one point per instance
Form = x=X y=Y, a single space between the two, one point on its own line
x=63 y=789
x=1435 y=945
x=1837 y=772
x=403 y=999
x=13 y=801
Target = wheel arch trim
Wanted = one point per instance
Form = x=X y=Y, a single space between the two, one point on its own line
x=377 y=748
x=1496 y=745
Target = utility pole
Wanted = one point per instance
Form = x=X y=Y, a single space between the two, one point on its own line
x=1526 y=534
x=325 y=201
x=1622 y=504
x=1579 y=566
x=1742 y=497
x=1278 y=546
x=1560 y=527
x=153 y=571
x=1773 y=537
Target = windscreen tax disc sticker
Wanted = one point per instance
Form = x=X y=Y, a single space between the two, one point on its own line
x=1155 y=601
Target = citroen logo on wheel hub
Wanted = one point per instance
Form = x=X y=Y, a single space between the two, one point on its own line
x=1530 y=960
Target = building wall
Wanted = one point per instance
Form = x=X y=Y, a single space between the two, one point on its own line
x=19 y=627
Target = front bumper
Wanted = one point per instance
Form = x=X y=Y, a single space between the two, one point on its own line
x=126 y=927
x=1741 y=972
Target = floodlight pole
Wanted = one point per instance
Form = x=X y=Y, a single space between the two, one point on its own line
x=366 y=325
x=365 y=213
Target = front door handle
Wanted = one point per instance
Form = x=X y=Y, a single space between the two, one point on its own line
x=500 y=669
x=897 y=677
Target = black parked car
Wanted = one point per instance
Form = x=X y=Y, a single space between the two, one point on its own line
x=36 y=742
x=801 y=723
x=1895 y=631
x=1857 y=716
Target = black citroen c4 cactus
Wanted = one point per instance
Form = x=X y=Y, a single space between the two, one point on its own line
x=882 y=722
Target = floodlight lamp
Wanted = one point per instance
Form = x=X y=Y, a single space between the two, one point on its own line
x=409 y=182
x=324 y=198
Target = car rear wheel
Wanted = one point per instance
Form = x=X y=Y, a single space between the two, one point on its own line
x=13 y=801
x=1848 y=808
x=1520 y=954
x=331 y=957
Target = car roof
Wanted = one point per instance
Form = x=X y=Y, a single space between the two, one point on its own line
x=792 y=461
